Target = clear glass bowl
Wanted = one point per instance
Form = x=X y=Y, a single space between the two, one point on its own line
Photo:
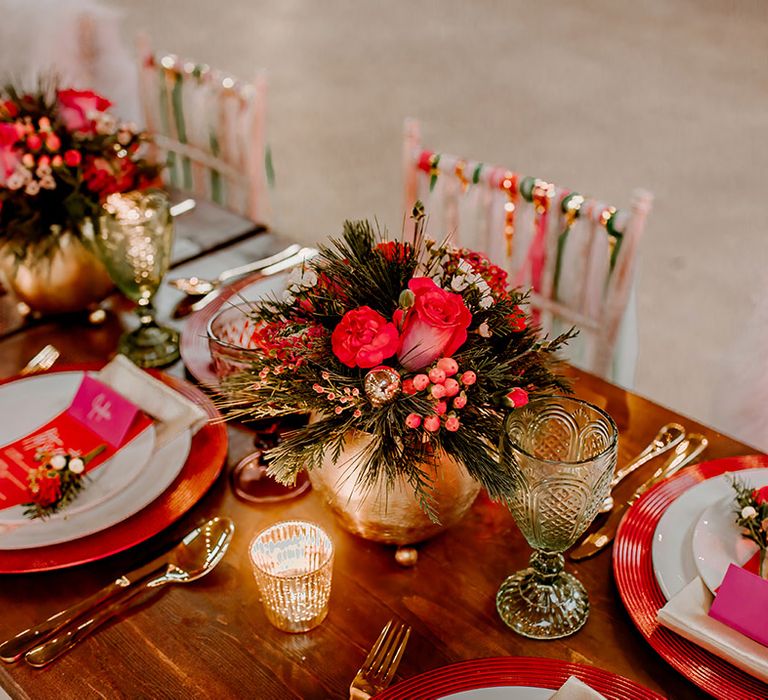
x=231 y=339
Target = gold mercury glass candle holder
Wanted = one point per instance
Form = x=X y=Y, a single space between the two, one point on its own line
x=293 y=562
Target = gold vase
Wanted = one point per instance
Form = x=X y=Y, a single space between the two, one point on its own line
x=68 y=279
x=392 y=516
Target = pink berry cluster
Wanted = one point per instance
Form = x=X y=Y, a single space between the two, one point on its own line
x=344 y=398
x=446 y=387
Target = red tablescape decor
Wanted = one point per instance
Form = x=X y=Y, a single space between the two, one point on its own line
x=61 y=153
x=364 y=338
x=420 y=346
x=45 y=469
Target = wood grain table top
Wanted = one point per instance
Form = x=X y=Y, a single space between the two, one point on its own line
x=211 y=639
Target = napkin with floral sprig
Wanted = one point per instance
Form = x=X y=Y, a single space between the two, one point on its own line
x=46 y=471
x=730 y=625
x=687 y=613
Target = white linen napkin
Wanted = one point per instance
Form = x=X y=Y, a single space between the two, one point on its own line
x=686 y=614
x=173 y=412
x=574 y=689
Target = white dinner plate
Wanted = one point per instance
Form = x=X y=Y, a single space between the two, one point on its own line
x=517 y=692
x=158 y=473
x=44 y=398
x=163 y=467
x=717 y=540
x=672 y=551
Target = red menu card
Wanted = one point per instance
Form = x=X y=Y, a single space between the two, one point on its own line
x=97 y=416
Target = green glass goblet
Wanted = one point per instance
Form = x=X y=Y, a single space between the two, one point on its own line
x=134 y=241
x=562 y=453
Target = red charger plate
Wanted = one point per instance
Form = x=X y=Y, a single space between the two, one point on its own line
x=642 y=597
x=523 y=671
x=194 y=340
x=203 y=466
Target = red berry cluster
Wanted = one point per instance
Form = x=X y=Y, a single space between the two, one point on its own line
x=441 y=385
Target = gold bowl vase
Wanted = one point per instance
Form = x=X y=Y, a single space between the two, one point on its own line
x=70 y=278
x=392 y=516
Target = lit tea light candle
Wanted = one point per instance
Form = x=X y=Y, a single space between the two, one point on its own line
x=293 y=563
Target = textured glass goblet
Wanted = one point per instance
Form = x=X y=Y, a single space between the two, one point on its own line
x=134 y=242
x=562 y=452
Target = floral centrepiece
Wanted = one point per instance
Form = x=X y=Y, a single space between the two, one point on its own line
x=752 y=517
x=61 y=154
x=419 y=345
x=56 y=482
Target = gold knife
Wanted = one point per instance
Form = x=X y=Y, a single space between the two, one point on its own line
x=685 y=452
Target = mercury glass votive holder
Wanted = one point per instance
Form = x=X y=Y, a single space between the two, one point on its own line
x=293 y=562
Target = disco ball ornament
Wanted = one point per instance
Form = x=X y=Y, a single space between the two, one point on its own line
x=382 y=384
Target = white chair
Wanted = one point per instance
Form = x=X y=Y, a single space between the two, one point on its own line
x=578 y=255
x=208 y=127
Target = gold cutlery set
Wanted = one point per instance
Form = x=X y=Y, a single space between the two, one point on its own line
x=200 y=292
x=684 y=448
x=196 y=555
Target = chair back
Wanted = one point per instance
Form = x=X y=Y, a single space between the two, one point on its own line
x=576 y=254
x=208 y=128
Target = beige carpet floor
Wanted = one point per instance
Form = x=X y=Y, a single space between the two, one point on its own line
x=602 y=95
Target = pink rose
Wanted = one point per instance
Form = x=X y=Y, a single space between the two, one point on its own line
x=79 y=108
x=364 y=338
x=435 y=326
x=9 y=154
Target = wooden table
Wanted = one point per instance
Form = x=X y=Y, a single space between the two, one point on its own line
x=212 y=640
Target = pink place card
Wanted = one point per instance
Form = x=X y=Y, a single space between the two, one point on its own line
x=103 y=410
x=742 y=603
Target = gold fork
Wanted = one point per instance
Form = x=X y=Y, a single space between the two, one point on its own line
x=42 y=361
x=380 y=665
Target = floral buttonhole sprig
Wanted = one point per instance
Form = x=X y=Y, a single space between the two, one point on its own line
x=752 y=517
x=57 y=481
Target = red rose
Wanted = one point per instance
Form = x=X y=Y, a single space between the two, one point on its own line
x=760 y=495
x=9 y=154
x=11 y=109
x=435 y=326
x=517 y=320
x=79 y=108
x=364 y=338
x=394 y=251
x=108 y=176
x=48 y=490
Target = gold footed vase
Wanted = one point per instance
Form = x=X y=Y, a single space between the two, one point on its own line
x=392 y=516
x=70 y=279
